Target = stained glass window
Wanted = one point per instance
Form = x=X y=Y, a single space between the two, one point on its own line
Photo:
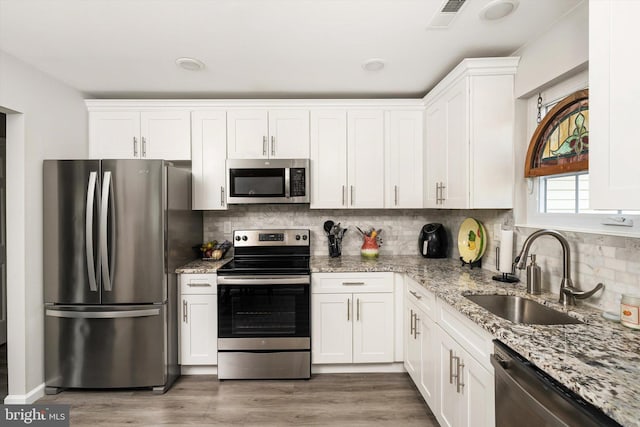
x=560 y=143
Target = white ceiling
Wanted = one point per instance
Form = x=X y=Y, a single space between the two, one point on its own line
x=258 y=48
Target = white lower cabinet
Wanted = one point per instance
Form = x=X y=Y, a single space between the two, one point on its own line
x=198 y=315
x=349 y=326
x=447 y=357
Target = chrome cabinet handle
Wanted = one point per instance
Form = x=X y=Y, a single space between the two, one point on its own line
x=352 y=283
x=412 y=327
x=273 y=145
x=199 y=285
x=88 y=223
x=348 y=308
x=221 y=196
x=415 y=328
x=343 y=193
x=451 y=376
x=264 y=145
x=184 y=311
x=135 y=147
x=358 y=309
x=144 y=147
x=415 y=294
x=442 y=187
x=459 y=371
x=395 y=191
x=351 y=195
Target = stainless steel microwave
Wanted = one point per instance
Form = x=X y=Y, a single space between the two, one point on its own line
x=251 y=181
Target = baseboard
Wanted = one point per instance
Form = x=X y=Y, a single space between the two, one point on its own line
x=25 y=399
x=357 y=368
x=199 y=370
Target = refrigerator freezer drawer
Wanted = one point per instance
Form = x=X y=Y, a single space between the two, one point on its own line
x=105 y=346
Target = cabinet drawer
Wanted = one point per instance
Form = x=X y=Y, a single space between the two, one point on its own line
x=475 y=340
x=323 y=283
x=422 y=298
x=193 y=284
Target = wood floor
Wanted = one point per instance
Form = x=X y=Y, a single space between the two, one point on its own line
x=325 y=400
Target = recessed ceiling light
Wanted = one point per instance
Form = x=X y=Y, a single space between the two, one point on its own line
x=190 y=64
x=498 y=9
x=374 y=64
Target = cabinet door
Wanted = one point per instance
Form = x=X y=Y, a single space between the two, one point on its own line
x=331 y=328
x=199 y=330
x=412 y=346
x=613 y=95
x=373 y=328
x=449 y=410
x=114 y=135
x=365 y=153
x=456 y=105
x=328 y=159
x=477 y=393
x=166 y=135
x=403 y=159
x=247 y=134
x=209 y=152
x=289 y=134
x=435 y=153
x=426 y=332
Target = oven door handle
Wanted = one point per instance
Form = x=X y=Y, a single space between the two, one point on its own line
x=259 y=281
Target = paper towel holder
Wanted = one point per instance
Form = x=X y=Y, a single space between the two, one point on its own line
x=505 y=277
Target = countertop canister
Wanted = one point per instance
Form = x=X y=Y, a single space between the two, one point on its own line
x=630 y=311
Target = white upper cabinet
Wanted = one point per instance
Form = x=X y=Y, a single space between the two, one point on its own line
x=262 y=134
x=209 y=153
x=365 y=154
x=328 y=159
x=469 y=123
x=403 y=159
x=613 y=96
x=140 y=135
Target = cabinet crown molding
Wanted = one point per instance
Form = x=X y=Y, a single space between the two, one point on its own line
x=474 y=67
x=204 y=104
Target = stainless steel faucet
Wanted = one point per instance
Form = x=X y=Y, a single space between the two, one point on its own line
x=568 y=293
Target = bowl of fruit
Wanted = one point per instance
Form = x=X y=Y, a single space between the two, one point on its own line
x=214 y=250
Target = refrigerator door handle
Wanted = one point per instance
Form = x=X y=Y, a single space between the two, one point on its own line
x=104 y=249
x=102 y=314
x=91 y=192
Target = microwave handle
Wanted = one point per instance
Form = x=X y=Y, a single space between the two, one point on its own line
x=287 y=183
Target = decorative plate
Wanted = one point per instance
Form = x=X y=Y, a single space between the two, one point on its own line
x=472 y=240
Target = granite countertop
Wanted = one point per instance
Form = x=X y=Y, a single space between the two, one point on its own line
x=199 y=266
x=598 y=360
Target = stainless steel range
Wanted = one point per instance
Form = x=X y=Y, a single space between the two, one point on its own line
x=264 y=301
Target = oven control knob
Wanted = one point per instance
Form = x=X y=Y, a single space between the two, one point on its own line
x=297 y=237
x=237 y=238
x=304 y=237
x=244 y=238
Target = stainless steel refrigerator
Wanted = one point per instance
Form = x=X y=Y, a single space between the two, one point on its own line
x=114 y=233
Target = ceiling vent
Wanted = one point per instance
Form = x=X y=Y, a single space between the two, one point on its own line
x=443 y=18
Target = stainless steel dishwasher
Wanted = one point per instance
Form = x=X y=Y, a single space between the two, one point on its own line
x=527 y=396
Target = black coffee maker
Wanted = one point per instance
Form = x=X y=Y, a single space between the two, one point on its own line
x=432 y=242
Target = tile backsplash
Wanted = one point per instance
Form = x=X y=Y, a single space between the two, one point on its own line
x=595 y=258
x=400 y=228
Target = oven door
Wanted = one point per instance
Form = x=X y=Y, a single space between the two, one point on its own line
x=264 y=313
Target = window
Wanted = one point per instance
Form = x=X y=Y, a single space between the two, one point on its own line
x=559 y=198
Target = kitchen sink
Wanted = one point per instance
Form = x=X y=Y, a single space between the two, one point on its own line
x=521 y=310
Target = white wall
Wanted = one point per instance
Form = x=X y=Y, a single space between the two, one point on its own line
x=555 y=54
x=49 y=121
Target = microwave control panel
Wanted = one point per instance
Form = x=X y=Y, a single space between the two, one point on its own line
x=297 y=182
